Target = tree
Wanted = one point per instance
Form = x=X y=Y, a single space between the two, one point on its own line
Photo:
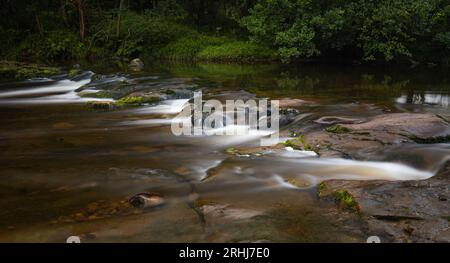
x=80 y=4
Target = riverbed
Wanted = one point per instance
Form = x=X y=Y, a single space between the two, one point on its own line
x=69 y=169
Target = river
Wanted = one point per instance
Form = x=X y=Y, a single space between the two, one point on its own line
x=67 y=169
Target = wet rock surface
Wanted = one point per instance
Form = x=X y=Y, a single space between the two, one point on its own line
x=146 y=200
x=409 y=211
x=18 y=71
x=349 y=140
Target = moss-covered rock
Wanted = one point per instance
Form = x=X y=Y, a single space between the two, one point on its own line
x=74 y=71
x=18 y=71
x=298 y=144
x=338 y=129
x=137 y=101
x=345 y=199
x=101 y=105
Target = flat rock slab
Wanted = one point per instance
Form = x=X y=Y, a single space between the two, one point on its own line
x=377 y=132
x=408 y=211
x=412 y=125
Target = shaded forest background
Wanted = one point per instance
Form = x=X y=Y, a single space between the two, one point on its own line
x=226 y=30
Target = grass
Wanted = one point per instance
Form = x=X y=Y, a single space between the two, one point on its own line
x=241 y=51
x=187 y=48
x=201 y=47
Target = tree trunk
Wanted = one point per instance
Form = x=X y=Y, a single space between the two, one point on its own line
x=80 y=6
x=39 y=25
x=118 y=18
x=62 y=9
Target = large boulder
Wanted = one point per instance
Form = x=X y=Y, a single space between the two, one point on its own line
x=136 y=65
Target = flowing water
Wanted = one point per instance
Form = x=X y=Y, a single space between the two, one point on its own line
x=67 y=169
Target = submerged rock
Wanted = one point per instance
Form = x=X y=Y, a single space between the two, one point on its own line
x=146 y=200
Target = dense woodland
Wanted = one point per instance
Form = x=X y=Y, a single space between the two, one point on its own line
x=227 y=30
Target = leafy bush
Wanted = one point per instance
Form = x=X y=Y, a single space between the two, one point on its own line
x=62 y=45
x=141 y=34
x=382 y=30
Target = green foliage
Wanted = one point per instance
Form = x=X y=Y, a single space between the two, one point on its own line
x=58 y=45
x=236 y=51
x=382 y=30
x=187 y=48
x=169 y=10
x=142 y=34
x=375 y=30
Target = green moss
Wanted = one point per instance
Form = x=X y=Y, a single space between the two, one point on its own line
x=298 y=144
x=344 y=198
x=73 y=72
x=338 y=129
x=101 y=105
x=306 y=146
x=137 y=101
x=18 y=71
x=292 y=144
x=231 y=151
x=321 y=188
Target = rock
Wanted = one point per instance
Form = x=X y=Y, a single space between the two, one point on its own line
x=136 y=65
x=137 y=101
x=101 y=105
x=377 y=132
x=411 y=125
x=407 y=211
x=10 y=70
x=287 y=103
x=329 y=120
x=146 y=200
